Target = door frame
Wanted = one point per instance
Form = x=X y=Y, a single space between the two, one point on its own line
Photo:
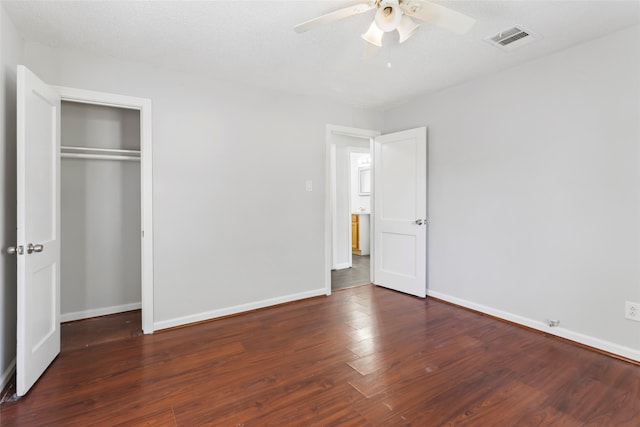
x=146 y=182
x=330 y=194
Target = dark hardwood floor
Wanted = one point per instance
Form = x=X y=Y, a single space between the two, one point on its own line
x=100 y=330
x=363 y=356
x=358 y=274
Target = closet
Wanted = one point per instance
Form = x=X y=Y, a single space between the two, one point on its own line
x=100 y=246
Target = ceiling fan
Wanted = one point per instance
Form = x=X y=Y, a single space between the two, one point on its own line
x=396 y=15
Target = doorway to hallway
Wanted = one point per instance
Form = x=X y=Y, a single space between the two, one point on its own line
x=358 y=274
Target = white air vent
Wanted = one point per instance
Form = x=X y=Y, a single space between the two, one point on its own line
x=512 y=38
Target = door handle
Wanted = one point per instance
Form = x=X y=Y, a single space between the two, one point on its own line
x=419 y=221
x=15 y=250
x=34 y=248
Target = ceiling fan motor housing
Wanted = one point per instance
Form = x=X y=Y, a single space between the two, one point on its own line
x=389 y=15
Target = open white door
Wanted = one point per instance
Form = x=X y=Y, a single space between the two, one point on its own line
x=400 y=215
x=38 y=249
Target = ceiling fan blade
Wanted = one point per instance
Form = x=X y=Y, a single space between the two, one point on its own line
x=438 y=15
x=333 y=16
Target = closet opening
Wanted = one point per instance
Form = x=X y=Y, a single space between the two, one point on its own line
x=100 y=223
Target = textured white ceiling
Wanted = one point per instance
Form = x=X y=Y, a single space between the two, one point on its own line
x=253 y=41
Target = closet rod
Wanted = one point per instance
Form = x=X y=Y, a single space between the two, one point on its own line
x=101 y=150
x=98 y=157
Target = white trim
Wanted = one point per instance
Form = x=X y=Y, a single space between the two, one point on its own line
x=332 y=199
x=354 y=132
x=7 y=374
x=101 y=98
x=146 y=181
x=329 y=235
x=607 y=346
x=209 y=315
x=95 y=312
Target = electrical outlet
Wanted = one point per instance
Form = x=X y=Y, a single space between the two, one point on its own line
x=553 y=323
x=632 y=310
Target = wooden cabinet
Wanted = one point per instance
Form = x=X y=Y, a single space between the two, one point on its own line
x=360 y=234
x=355 y=239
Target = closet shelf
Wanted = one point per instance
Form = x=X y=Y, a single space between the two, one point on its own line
x=98 y=157
x=73 y=152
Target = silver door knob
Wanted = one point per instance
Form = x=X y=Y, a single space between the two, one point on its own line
x=13 y=250
x=419 y=221
x=34 y=248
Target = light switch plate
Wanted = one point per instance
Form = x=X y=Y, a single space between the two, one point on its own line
x=308 y=185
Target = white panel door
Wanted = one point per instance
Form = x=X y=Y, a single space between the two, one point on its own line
x=38 y=250
x=400 y=215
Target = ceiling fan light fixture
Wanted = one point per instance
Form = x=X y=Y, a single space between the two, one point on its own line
x=374 y=35
x=407 y=28
x=389 y=15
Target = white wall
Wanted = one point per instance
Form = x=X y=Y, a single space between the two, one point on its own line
x=11 y=54
x=358 y=203
x=534 y=190
x=234 y=227
x=344 y=146
x=100 y=214
x=533 y=193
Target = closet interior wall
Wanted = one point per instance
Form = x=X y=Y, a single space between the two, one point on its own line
x=100 y=211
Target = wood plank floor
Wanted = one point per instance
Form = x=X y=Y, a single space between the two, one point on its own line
x=364 y=356
x=100 y=330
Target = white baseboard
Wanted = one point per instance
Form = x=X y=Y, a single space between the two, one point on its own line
x=208 y=315
x=342 y=266
x=590 y=341
x=85 y=314
x=6 y=375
